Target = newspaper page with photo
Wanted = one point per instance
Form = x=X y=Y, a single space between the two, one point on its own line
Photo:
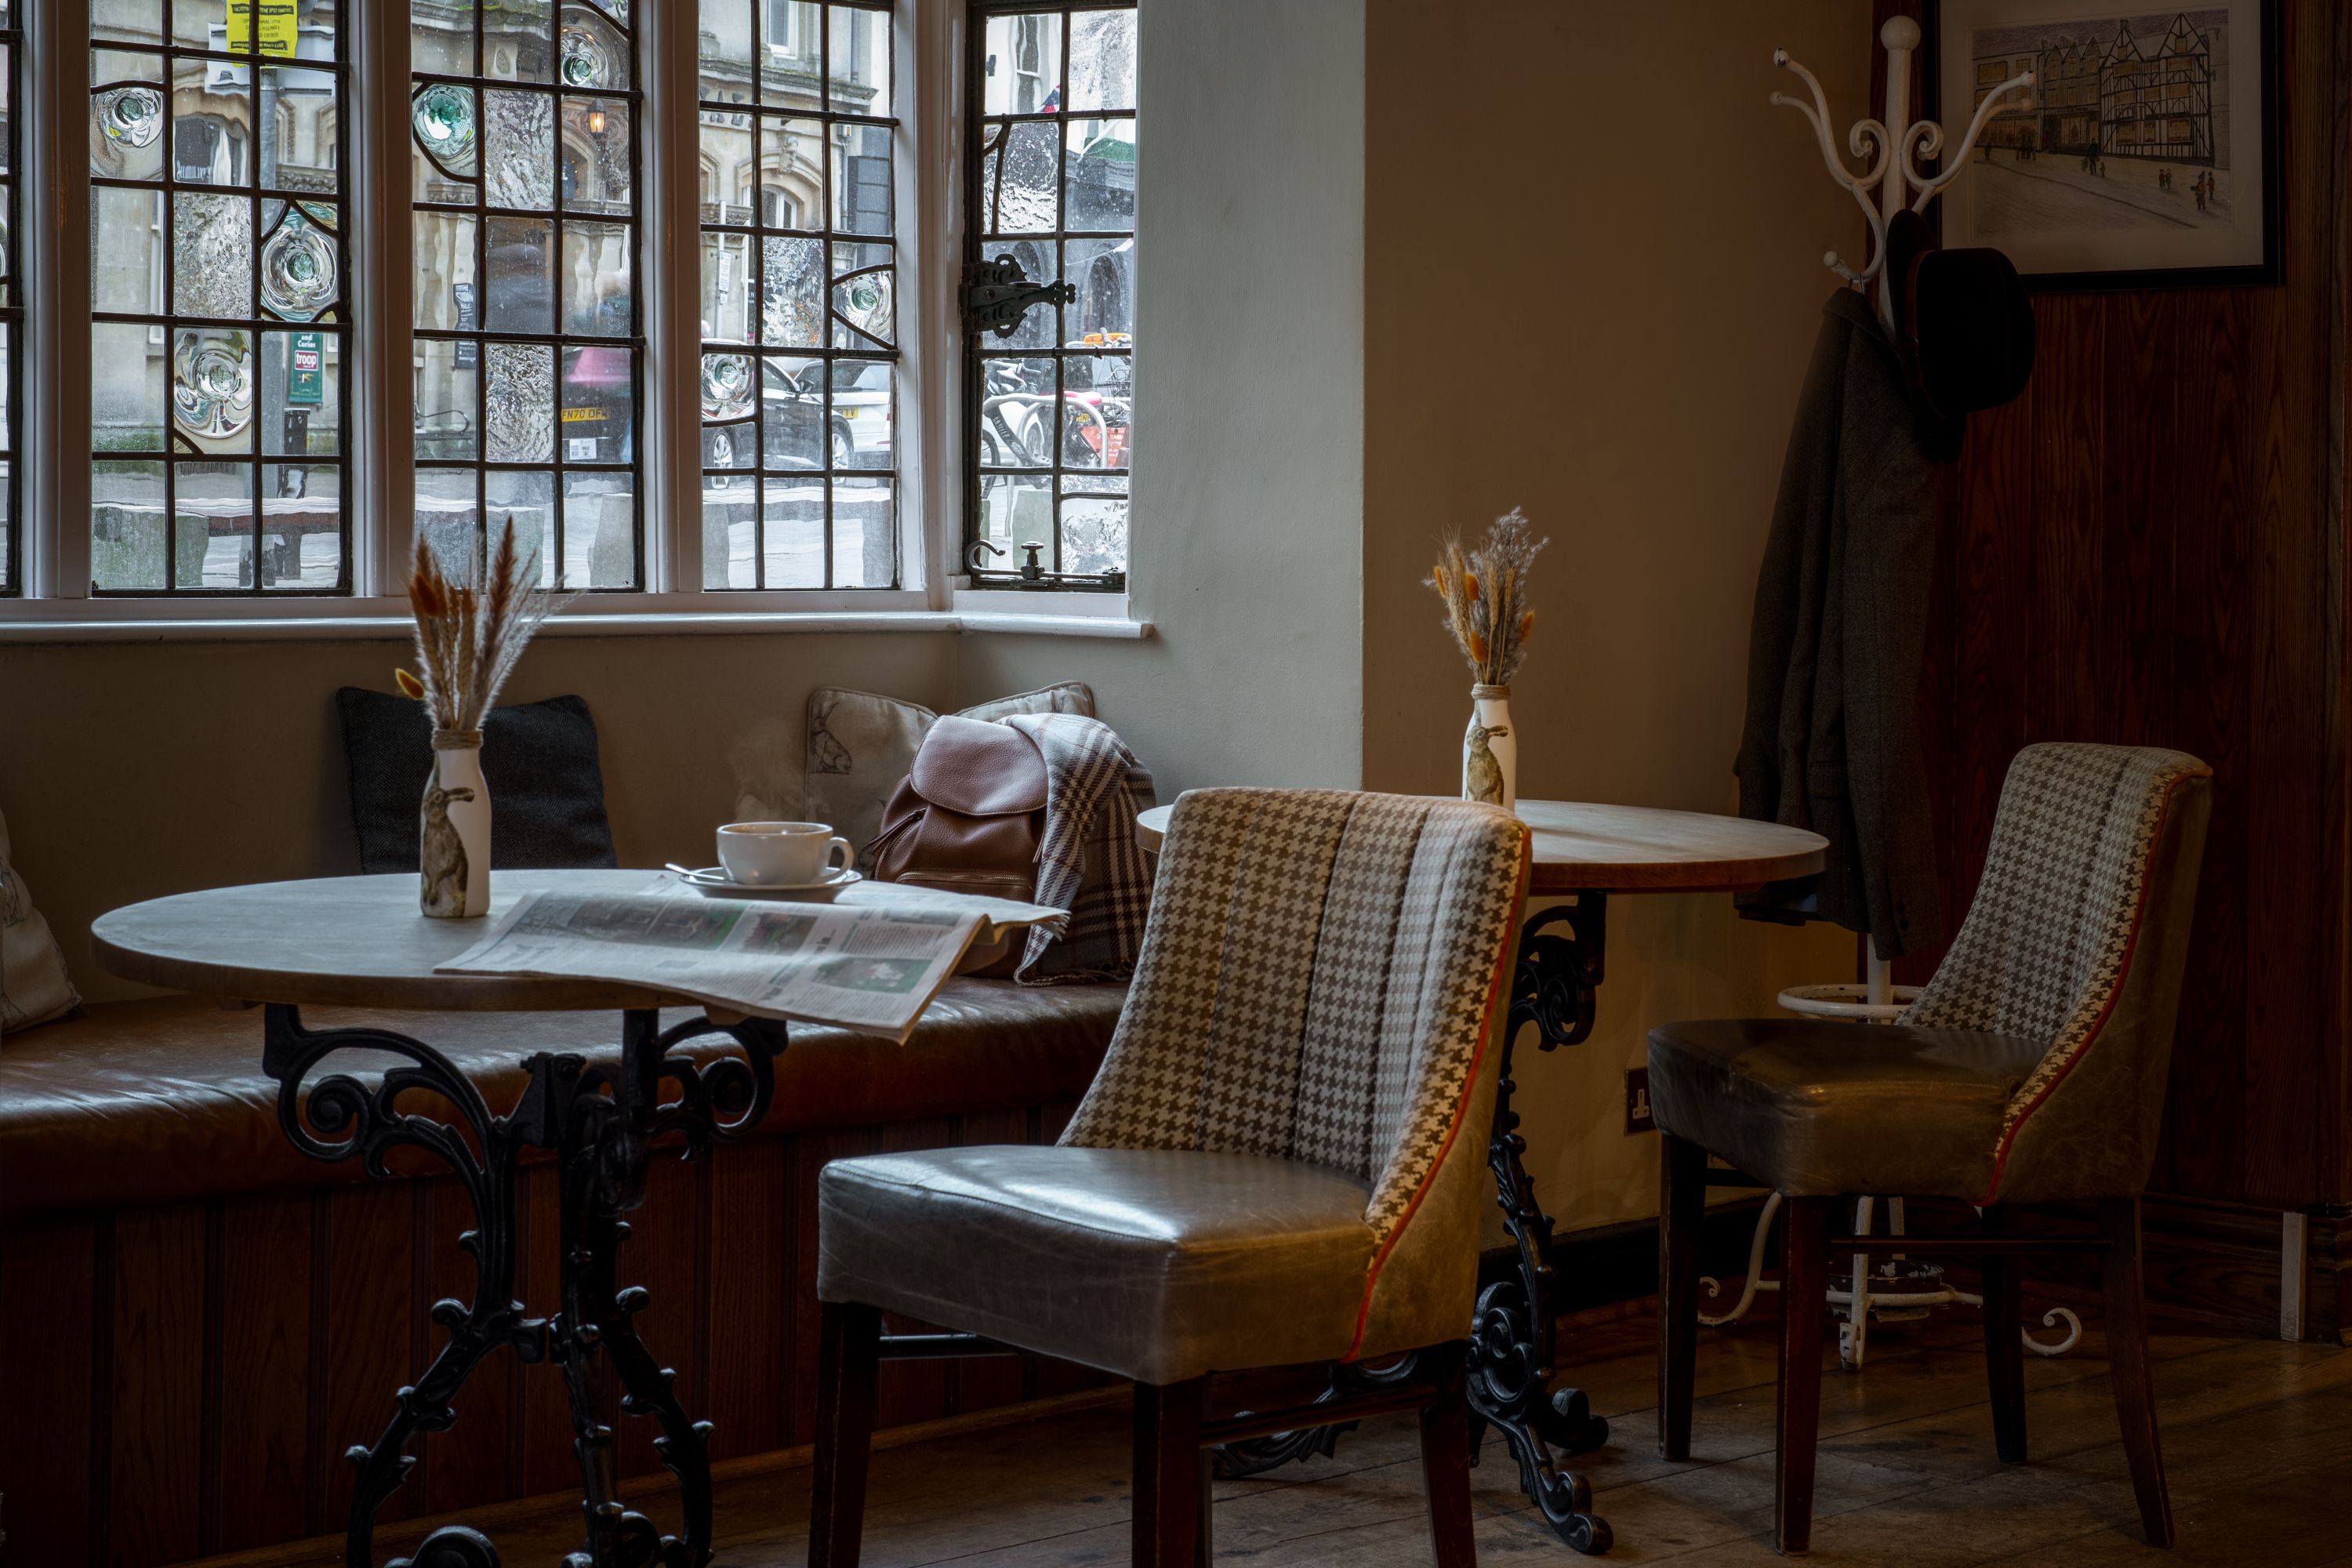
x=870 y=962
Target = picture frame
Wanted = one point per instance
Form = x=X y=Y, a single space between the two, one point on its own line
x=2144 y=155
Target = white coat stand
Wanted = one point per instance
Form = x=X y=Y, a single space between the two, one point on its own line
x=1901 y=1288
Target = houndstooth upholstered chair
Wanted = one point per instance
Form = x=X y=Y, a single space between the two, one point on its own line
x=2030 y=1069
x=1280 y=1160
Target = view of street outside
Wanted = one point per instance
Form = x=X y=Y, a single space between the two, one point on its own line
x=217 y=349
x=1056 y=195
x=524 y=150
x=216 y=429
x=798 y=135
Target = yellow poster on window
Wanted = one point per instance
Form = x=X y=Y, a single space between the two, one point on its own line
x=278 y=26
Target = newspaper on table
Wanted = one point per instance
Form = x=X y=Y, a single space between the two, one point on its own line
x=870 y=961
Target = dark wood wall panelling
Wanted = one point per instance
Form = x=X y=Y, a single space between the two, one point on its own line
x=2148 y=548
x=181 y=1381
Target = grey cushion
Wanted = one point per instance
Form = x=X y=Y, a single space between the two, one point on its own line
x=1158 y=1265
x=547 y=787
x=1818 y=1107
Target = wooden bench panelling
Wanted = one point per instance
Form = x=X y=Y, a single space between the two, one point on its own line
x=184 y=1381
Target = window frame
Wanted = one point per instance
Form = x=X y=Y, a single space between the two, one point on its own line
x=1005 y=581
x=14 y=555
x=557 y=337
x=52 y=510
x=164 y=320
x=830 y=121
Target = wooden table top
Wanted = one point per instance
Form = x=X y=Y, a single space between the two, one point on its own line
x=1636 y=848
x=356 y=941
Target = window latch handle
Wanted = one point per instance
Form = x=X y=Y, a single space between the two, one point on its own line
x=998 y=294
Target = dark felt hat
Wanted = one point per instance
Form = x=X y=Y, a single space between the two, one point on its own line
x=1963 y=324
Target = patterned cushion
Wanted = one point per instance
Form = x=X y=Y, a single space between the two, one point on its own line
x=33 y=988
x=2046 y=944
x=1313 y=985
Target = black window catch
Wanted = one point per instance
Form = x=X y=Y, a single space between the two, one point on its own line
x=997 y=294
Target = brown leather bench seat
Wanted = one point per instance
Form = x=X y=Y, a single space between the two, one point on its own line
x=160 y=1102
x=199 y=1318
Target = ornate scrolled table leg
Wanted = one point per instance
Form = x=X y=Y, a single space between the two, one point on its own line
x=1513 y=1339
x=601 y=1124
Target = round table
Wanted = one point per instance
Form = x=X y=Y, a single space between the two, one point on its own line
x=1580 y=846
x=360 y=942
x=349 y=942
x=1582 y=854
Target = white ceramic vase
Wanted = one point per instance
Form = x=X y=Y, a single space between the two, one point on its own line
x=453 y=833
x=1490 y=751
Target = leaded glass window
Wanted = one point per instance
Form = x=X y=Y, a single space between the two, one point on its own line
x=524 y=118
x=800 y=363
x=1050 y=404
x=218 y=323
x=11 y=309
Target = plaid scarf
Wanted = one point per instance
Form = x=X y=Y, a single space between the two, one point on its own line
x=1088 y=862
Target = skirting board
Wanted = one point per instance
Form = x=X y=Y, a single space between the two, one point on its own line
x=2214 y=1267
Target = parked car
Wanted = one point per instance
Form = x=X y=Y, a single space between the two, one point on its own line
x=862 y=409
x=856 y=434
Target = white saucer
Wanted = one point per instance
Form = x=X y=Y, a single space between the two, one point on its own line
x=714 y=880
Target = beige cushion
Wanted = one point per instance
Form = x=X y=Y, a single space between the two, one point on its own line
x=1817 y=1108
x=34 y=987
x=860 y=744
x=1158 y=1265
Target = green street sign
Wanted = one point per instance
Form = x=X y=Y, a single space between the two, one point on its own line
x=306 y=379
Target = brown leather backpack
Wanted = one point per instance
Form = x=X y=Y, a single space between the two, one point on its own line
x=970 y=815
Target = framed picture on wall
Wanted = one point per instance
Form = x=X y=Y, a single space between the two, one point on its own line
x=2144 y=154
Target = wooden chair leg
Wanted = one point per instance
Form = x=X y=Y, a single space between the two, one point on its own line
x=1445 y=1466
x=1682 y=1216
x=1204 y=1527
x=849 y=1367
x=2128 y=1364
x=1804 y=1283
x=1169 y=1495
x=2004 y=1344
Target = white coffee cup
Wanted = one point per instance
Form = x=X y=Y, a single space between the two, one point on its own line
x=781 y=854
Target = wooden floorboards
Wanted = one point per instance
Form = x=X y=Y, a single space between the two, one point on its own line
x=2257 y=1436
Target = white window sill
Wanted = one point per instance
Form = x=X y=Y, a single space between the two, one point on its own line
x=387 y=620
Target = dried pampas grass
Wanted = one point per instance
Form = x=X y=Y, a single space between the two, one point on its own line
x=471 y=628
x=1485 y=592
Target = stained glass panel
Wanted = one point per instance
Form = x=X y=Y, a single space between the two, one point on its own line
x=524 y=119
x=799 y=171
x=219 y=273
x=11 y=571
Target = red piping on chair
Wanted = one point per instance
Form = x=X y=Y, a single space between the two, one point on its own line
x=1469 y=1087
x=2131 y=950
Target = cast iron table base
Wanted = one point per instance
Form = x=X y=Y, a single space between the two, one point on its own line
x=601 y=1124
x=1513 y=1334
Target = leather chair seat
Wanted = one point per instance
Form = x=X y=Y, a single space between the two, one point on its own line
x=130 y=1104
x=1817 y=1108
x=1156 y=1265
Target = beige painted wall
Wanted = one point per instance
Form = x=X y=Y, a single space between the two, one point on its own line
x=1592 y=286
